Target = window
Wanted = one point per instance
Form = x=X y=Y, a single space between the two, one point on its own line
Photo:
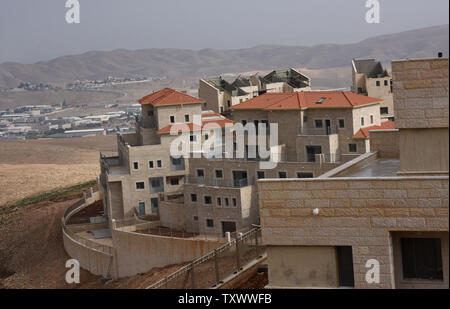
x=371 y=119
x=136 y=165
x=196 y=218
x=206 y=137
x=150 y=113
x=140 y=186
x=227 y=202
x=193 y=197
x=176 y=161
x=234 y=202
x=193 y=138
x=209 y=223
x=200 y=173
x=378 y=83
x=219 y=174
x=362 y=121
x=155 y=183
x=385 y=82
x=352 y=148
x=172 y=119
x=228 y=103
x=240 y=100
x=174 y=181
x=186 y=118
x=159 y=163
x=260 y=175
x=282 y=174
x=150 y=164
x=360 y=90
x=305 y=118
x=318 y=123
x=422 y=258
x=341 y=123
x=219 y=202
x=208 y=199
x=244 y=122
x=305 y=175
x=384 y=110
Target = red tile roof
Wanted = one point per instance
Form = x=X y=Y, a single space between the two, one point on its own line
x=303 y=100
x=168 y=96
x=194 y=127
x=364 y=132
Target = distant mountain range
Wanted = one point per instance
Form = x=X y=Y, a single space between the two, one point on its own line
x=170 y=62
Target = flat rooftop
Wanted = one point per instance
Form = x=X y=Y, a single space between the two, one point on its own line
x=378 y=168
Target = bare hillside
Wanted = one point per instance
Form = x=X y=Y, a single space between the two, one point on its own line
x=180 y=62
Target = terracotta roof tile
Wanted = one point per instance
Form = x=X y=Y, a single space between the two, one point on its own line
x=307 y=99
x=168 y=96
x=364 y=132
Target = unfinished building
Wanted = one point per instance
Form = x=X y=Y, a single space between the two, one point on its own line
x=371 y=79
x=221 y=95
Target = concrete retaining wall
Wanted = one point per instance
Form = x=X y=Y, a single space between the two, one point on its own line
x=138 y=253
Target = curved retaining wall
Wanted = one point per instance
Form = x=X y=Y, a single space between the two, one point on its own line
x=95 y=258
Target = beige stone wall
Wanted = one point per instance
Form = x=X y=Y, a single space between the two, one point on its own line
x=386 y=143
x=138 y=253
x=424 y=151
x=211 y=95
x=421 y=93
x=172 y=215
x=382 y=92
x=163 y=113
x=354 y=212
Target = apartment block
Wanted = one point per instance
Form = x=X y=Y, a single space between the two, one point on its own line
x=371 y=79
x=326 y=126
x=143 y=173
x=380 y=220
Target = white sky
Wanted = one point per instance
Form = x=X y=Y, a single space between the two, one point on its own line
x=33 y=30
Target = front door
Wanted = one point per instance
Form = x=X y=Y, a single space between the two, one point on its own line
x=141 y=209
x=311 y=152
x=155 y=206
x=228 y=226
x=328 y=126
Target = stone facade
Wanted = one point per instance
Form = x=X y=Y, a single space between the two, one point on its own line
x=421 y=97
x=421 y=93
x=361 y=213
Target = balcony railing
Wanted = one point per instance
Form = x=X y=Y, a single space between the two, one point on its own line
x=220 y=182
x=317 y=131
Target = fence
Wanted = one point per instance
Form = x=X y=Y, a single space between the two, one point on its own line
x=211 y=269
x=70 y=211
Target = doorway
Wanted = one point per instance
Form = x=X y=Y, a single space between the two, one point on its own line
x=155 y=206
x=311 y=152
x=228 y=226
x=328 y=126
x=240 y=179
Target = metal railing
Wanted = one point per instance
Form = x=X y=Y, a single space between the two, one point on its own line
x=211 y=269
x=220 y=182
x=317 y=131
x=73 y=209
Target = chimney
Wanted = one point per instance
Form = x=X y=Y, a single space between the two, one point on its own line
x=439 y=54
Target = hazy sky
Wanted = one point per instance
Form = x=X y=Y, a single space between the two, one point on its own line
x=33 y=30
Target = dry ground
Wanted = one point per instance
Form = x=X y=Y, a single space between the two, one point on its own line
x=32 y=253
x=33 y=166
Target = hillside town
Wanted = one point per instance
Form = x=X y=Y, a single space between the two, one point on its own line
x=347 y=183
